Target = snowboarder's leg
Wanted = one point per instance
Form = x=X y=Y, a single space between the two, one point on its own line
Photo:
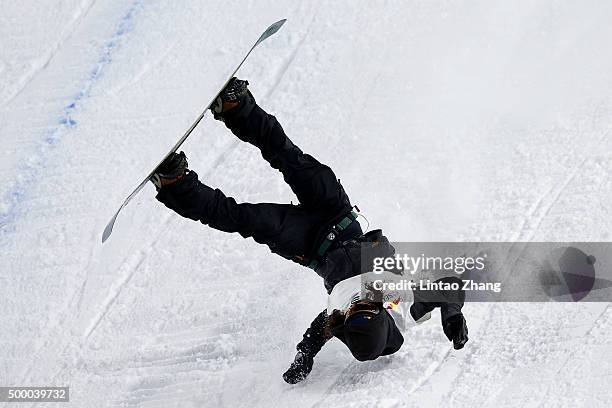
x=314 y=183
x=280 y=226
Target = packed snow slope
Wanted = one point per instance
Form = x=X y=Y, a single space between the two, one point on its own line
x=445 y=120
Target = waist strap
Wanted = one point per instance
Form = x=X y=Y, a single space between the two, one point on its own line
x=330 y=237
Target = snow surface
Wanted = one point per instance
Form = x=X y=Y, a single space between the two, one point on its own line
x=445 y=120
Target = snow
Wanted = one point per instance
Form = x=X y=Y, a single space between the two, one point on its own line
x=445 y=120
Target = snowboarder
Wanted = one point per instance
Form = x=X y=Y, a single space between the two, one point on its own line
x=321 y=232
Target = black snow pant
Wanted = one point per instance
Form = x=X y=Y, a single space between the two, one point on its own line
x=291 y=231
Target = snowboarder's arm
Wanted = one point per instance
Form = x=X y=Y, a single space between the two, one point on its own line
x=450 y=303
x=315 y=336
x=313 y=340
x=427 y=300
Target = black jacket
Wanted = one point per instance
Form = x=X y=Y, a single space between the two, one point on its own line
x=292 y=231
x=353 y=257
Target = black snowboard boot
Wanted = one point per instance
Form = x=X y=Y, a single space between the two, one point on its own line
x=229 y=98
x=170 y=171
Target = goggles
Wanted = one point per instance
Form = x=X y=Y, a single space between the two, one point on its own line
x=364 y=309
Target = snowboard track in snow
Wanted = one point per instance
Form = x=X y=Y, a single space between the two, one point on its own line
x=64 y=124
x=85 y=7
x=547 y=200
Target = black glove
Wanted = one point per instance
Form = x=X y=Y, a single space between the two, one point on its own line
x=230 y=97
x=171 y=170
x=299 y=369
x=456 y=330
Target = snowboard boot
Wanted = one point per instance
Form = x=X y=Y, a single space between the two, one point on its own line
x=229 y=98
x=170 y=171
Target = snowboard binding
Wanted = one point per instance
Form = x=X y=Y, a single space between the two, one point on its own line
x=229 y=98
x=170 y=171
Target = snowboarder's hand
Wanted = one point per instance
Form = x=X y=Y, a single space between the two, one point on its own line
x=170 y=171
x=299 y=369
x=456 y=330
x=229 y=97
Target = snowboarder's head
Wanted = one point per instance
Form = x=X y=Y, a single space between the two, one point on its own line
x=368 y=331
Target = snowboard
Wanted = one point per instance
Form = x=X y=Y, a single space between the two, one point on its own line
x=267 y=33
